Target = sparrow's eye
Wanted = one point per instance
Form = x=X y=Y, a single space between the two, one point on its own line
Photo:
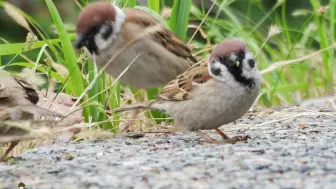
x=241 y=55
x=95 y=29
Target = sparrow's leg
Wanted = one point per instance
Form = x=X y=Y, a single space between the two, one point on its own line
x=225 y=141
x=233 y=139
x=138 y=95
x=225 y=137
x=207 y=138
x=10 y=148
x=134 y=115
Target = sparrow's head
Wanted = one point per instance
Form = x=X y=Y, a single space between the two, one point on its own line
x=97 y=25
x=232 y=57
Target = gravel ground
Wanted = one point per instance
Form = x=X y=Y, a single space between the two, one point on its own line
x=293 y=153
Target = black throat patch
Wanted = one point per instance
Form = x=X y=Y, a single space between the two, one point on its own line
x=237 y=71
x=89 y=41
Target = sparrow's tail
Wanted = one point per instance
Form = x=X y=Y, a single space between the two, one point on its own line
x=141 y=105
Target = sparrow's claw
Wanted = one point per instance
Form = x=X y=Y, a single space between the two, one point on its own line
x=237 y=139
x=5 y=158
x=232 y=140
x=131 y=122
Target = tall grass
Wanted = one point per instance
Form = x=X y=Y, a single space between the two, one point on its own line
x=290 y=84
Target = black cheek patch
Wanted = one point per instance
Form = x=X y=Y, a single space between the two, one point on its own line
x=251 y=63
x=237 y=73
x=91 y=45
x=216 y=71
x=108 y=31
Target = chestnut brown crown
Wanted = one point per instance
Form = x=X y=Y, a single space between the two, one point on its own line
x=94 y=14
x=228 y=46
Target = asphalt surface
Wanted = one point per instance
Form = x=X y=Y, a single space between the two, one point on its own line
x=293 y=153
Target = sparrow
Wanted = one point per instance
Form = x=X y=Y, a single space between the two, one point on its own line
x=18 y=100
x=211 y=93
x=103 y=29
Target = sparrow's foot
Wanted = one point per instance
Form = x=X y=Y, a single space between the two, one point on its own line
x=232 y=140
x=208 y=139
x=6 y=158
x=236 y=139
x=135 y=135
x=221 y=133
x=129 y=123
x=3 y=159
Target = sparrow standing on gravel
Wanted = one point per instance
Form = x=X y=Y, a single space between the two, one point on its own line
x=18 y=101
x=211 y=93
x=103 y=28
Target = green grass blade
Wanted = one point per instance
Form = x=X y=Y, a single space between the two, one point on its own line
x=179 y=19
x=14 y=48
x=114 y=102
x=76 y=80
x=154 y=5
x=321 y=25
x=69 y=53
x=94 y=90
x=127 y=3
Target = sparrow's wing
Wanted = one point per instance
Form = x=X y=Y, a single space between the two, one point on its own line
x=30 y=91
x=4 y=115
x=17 y=95
x=15 y=88
x=178 y=89
x=164 y=37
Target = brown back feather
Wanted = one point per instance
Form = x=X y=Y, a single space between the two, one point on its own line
x=164 y=37
x=178 y=88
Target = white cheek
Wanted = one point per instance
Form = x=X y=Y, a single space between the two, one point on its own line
x=119 y=20
x=249 y=55
x=103 y=43
x=224 y=71
x=216 y=65
x=248 y=72
x=117 y=26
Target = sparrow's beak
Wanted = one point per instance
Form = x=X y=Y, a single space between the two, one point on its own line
x=80 y=41
x=237 y=63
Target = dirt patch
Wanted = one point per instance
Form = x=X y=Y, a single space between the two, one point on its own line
x=294 y=153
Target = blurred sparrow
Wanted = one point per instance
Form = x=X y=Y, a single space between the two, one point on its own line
x=103 y=28
x=211 y=93
x=18 y=102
